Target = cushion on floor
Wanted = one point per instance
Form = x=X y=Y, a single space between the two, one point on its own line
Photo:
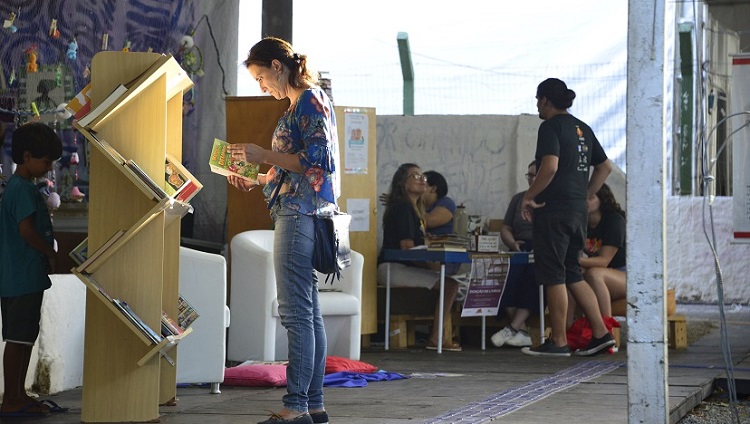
x=337 y=364
x=257 y=375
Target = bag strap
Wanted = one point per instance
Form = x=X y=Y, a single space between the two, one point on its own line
x=278 y=189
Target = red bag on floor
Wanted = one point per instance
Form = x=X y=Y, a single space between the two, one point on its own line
x=579 y=334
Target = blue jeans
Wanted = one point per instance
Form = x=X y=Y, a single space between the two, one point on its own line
x=299 y=309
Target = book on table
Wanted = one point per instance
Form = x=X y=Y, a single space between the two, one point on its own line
x=447 y=243
x=447 y=248
x=222 y=163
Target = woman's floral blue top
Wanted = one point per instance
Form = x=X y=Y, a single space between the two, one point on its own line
x=308 y=128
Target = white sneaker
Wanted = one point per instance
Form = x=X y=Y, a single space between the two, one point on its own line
x=521 y=339
x=501 y=337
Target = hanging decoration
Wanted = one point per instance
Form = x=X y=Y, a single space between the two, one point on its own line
x=58 y=75
x=31 y=66
x=40 y=73
x=72 y=52
x=62 y=113
x=8 y=23
x=53 y=31
x=191 y=57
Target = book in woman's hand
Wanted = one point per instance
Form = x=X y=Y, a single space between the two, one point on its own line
x=222 y=162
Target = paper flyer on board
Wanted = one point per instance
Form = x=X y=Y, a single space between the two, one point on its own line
x=356 y=144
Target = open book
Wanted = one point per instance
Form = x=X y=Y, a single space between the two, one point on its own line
x=179 y=183
x=221 y=162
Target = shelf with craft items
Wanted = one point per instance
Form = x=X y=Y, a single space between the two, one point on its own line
x=133 y=238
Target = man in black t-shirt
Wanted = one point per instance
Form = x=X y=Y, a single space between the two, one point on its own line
x=566 y=149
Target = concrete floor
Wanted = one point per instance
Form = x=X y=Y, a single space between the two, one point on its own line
x=478 y=386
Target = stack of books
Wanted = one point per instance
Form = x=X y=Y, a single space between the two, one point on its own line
x=448 y=243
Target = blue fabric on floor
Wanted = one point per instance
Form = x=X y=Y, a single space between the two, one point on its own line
x=356 y=379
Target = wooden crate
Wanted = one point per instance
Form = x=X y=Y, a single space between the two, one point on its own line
x=677 y=328
x=403 y=329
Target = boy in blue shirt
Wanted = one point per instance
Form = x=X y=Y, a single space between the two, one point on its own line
x=26 y=259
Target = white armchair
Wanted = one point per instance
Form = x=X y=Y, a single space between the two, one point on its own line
x=203 y=282
x=256 y=332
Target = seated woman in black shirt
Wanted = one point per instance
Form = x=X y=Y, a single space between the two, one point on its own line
x=404 y=228
x=604 y=265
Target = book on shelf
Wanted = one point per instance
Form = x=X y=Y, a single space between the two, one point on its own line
x=222 y=163
x=179 y=183
x=123 y=92
x=187 y=314
x=106 y=148
x=79 y=254
x=136 y=320
x=95 y=285
x=177 y=81
x=155 y=191
x=169 y=326
x=93 y=256
x=80 y=105
x=106 y=105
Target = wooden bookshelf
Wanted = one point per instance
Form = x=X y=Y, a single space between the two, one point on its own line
x=125 y=378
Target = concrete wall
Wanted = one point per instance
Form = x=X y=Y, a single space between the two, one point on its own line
x=690 y=263
x=57 y=358
x=482 y=157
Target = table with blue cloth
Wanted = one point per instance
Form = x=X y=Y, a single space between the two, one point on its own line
x=442 y=257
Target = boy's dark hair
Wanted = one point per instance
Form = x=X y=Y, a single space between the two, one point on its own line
x=37 y=139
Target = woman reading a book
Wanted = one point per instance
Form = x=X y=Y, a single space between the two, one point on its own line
x=404 y=228
x=303 y=182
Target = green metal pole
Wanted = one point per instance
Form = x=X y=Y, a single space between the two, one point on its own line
x=685 y=136
x=407 y=70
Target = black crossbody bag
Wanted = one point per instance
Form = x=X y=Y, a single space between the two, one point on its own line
x=332 y=253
